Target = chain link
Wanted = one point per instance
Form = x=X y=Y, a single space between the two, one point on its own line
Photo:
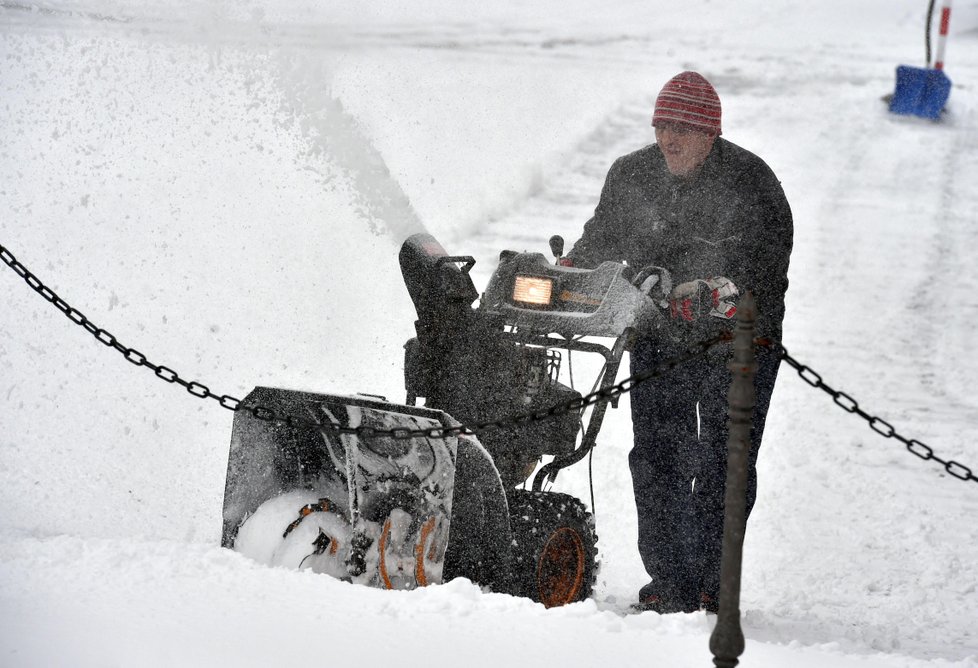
x=877 y=424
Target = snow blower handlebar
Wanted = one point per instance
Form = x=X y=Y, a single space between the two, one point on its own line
x=590 y=438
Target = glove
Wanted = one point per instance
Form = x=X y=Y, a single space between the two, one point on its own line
x=723 y=295
x=655 y=282
x=686 y=301
x=712 y=296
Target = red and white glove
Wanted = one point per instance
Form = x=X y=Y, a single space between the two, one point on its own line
x=723 y=297
x=713 y=296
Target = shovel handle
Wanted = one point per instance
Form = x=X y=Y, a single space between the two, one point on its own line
x=942 y=34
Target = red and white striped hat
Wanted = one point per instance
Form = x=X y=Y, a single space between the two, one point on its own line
x=688 y=98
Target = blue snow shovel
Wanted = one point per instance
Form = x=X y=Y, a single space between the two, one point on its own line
x=924 y=91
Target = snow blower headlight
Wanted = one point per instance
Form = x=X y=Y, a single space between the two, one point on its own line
x=533 y=290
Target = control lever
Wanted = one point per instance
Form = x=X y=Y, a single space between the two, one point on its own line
x=557 y=246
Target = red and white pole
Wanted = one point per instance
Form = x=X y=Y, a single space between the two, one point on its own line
x=942 y=34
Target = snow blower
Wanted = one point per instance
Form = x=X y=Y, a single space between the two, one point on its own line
x=322 y=492
x=924 y=91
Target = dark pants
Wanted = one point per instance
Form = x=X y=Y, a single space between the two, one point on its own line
x=679 y=468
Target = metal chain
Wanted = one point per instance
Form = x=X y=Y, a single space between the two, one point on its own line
x=266 y=414
x=106 y=338
x=201 y=391
x=877 y=424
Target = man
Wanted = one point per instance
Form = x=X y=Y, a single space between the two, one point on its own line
x=715 y=216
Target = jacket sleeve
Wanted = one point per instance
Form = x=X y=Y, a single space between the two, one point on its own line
x=766 y=252
x=604 y=234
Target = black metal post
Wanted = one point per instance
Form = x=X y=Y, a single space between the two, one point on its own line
x=727 y=640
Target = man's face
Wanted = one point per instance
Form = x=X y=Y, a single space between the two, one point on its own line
x=685 y=148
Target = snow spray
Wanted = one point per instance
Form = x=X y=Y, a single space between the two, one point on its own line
x=334 y=135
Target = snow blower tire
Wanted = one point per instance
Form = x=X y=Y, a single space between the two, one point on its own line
x=554 y=547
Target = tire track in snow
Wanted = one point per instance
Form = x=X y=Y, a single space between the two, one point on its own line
x=944 y=333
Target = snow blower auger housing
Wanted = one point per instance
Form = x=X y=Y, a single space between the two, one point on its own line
x=402 y=513
x=372 y=510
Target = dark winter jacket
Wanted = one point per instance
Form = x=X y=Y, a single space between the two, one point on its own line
x=731 y=219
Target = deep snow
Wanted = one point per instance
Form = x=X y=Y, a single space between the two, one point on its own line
x=224 y=186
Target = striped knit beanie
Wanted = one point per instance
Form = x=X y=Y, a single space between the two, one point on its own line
x=689 y=99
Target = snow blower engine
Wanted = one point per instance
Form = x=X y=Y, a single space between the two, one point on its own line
x=328 y=493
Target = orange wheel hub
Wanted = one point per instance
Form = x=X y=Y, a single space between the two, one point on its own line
x=560 y=572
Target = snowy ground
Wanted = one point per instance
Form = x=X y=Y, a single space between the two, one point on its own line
x=224 y=186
